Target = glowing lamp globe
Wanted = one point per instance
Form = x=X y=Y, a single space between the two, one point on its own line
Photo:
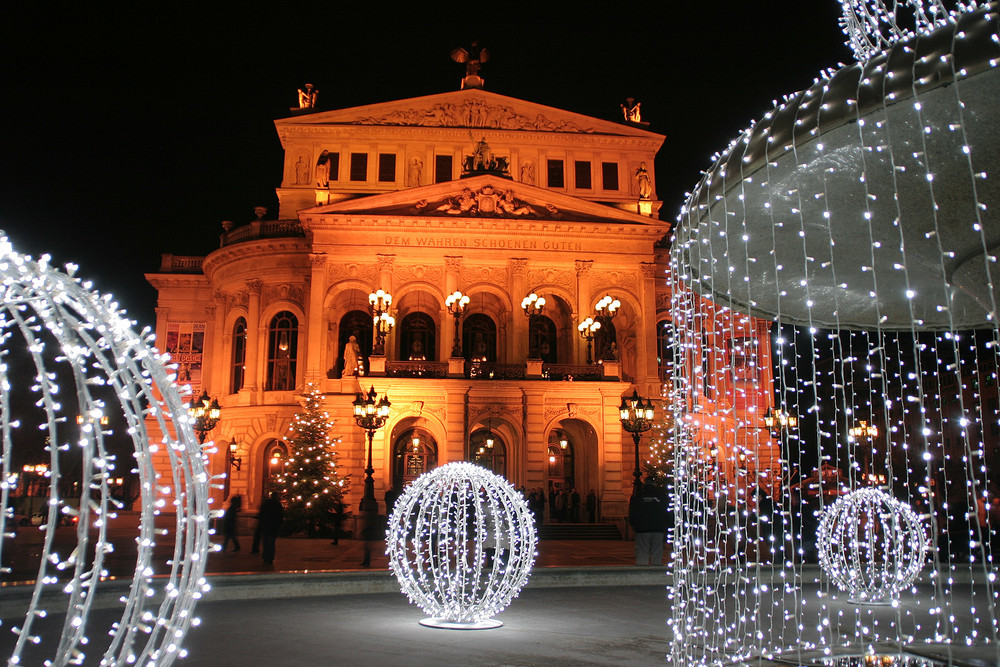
x=871 y=545
x=461 y=542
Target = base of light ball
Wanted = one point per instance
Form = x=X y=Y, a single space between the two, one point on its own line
x=444 y=624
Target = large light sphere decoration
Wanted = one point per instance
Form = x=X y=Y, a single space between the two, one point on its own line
x=76 y=357
x=871 y=545
x=461 y=542
x=838 y=261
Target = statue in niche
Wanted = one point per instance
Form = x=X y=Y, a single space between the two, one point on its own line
x=417 y=351
x=323 y=170
x=642 y=180
x=414 y=172
x=352 y=358
x=302 y=171
x=307 y=97
x=631 y=110
x=528 y=173
x=480 y=155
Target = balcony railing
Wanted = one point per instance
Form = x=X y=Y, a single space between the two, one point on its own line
x=261 y=229
x=486 y=371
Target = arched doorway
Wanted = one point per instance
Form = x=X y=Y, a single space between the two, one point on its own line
x=413 y=454
x=487 y=449
x=275 y=458
x=561 y=469
x=479 y=338
x=542 y=340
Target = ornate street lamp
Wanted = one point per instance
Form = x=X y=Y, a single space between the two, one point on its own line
x=778 y=421
x=380 y=300
x=532 y=306
x=868 y=432
x=588 y=329
x=456 y=303
x=637 y=418
x=370 y=413
x=234 y=461
x=205 y=412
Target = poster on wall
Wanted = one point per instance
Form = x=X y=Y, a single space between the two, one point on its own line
x=185 y=344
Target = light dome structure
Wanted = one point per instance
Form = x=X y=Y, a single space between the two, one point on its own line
x=849 y=237
x=871 y=545
x=71 y=352
x=461 y=542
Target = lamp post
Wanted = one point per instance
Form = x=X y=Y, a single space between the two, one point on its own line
x=637 y=418
x=606 y=309
x=370 y=413
x=456 y=303
x=532 y=305
x=588 y=329
x=205 y=413
x=778 y=421
x=868 y=432
x=380 y=300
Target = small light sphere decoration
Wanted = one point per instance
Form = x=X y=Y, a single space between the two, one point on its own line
x=106 y=403
x=461 y=542
x=871 y=545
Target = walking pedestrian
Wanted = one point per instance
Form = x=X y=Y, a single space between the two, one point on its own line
x=271 y=515
x=229 y=523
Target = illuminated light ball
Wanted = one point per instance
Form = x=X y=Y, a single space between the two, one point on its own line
x=871 y=545
x=109 y=375
x=461 y=542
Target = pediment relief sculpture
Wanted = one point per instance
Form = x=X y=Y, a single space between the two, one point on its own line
x=487 y=201
x=473 y=113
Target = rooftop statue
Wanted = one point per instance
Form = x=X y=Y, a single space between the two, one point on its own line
x=307 y=97
x=473 y=58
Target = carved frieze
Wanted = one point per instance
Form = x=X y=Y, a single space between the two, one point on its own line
x=607 y=280
x=408 y=272
x=494 y=275
x=338 y=272
x=513 y=412
x=486 y=202
x=282 y=292
x=434 y=408
x=473 y=113
x=564 y=278
x=662 y=301
x=591 y=412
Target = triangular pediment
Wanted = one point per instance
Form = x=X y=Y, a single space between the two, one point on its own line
x=486 y=196
x=467 y=109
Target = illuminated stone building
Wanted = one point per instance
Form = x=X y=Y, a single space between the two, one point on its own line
x=468 y=191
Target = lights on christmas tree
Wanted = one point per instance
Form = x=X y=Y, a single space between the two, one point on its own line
x=72 y=333
x=461 y=543
x=871 y=545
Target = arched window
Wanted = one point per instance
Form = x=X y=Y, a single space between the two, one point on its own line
x=479 y=338
x=282 y=348
x=275 y=459
x=487 y=449
x=606 y=342
x=414 y=453
x=417 y=338
x=357 y=323
x=239 y=355
x=542 y=341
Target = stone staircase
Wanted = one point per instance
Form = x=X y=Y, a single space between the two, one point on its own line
x=579 y=531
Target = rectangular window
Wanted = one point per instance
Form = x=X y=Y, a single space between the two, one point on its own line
x=333 y=159
x=386 y=167
x=442 y=168
x=582 y=169
x=359 y=166
x=609 y=172
x=556 y=177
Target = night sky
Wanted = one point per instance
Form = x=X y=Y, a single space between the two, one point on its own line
x=132 y=132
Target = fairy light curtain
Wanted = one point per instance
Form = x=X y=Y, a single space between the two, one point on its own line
x=847 y=237
x=94 y=382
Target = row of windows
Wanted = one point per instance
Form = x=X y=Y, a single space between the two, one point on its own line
x=444 y=164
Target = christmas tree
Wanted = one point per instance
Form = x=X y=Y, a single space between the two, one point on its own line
x=311 y=485
x=659 y=465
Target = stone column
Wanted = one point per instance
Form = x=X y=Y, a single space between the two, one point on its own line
x=315 y=341
x=584 y=287
x=645 y=344
x=452 y=276
x=517 y=345
x=535 y=442
x=256 y=339
x=221 y=347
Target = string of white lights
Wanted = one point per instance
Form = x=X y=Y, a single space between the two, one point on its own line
x=461 y=543
x=68 y=330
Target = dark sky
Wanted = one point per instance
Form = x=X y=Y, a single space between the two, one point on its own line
x=134 y=130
